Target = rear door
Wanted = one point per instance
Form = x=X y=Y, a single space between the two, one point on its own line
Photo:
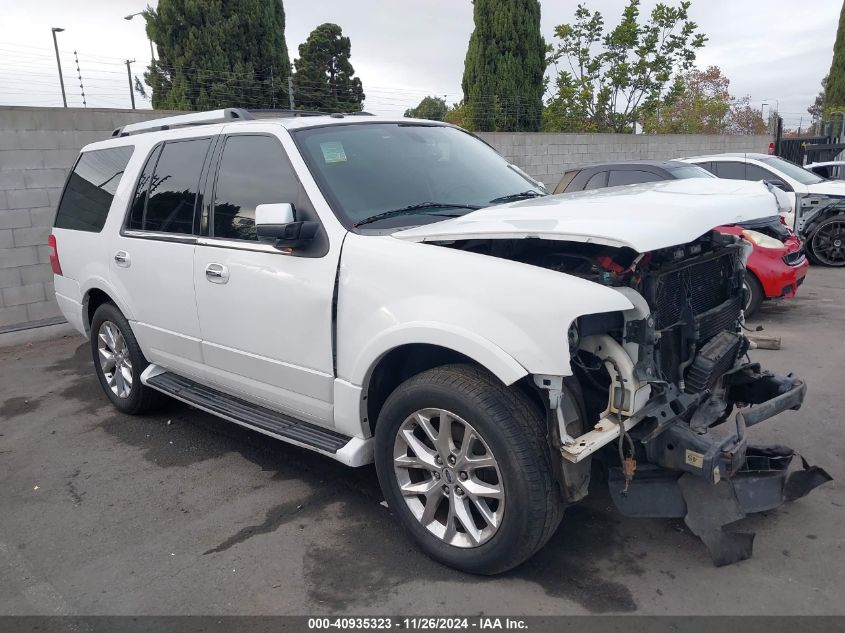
x=153 y=257
x=265 y=314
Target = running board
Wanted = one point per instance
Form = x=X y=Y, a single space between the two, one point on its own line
x=352 y=451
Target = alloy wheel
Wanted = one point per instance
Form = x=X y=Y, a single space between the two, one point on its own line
x=828 y=244
x=115 y=361
x=449 y=478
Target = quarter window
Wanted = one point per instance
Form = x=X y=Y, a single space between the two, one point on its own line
x=90 y=189
x=253 y=170
x=172 y=191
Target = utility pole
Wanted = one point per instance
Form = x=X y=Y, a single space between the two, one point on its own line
x=129 y=75
x=56 y=29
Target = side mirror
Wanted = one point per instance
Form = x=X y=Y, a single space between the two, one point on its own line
x=277 y=223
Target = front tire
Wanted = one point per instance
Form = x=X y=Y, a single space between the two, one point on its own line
x=464 y=463
x=119 y=362
x=826 y=244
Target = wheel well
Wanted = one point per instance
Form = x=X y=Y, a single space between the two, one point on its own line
x=93 y=300
x=406 y=361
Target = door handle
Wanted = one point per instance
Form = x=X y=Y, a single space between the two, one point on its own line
x=121 y=258
x=217 y=273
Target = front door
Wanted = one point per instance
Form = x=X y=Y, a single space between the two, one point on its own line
x=265 y=315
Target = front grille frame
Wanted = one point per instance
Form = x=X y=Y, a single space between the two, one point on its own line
x=692 y=301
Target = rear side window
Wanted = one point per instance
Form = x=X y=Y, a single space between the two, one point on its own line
x=596 y=181
x=90 y=189
x=631 y=177
x=253 y=170
x=170 y=198
x=732 y=170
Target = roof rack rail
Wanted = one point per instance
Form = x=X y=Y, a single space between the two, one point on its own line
x=184 y=120
x=287 y=112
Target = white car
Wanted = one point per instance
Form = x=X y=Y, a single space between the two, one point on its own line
x=817 y=204
x=334 y=282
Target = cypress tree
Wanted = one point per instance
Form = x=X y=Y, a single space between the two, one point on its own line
x=218 y=53
x=324 y=75
x=834 y=96
x=504 y=66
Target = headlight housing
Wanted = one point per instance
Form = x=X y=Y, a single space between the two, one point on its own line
x=761 y=239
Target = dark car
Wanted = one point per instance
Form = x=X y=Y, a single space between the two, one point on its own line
x=776 y=266
x=627 y=173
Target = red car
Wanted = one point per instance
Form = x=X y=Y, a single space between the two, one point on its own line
x=775 y=268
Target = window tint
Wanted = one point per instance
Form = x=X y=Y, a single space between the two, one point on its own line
x=732 y=170
x=689 y=171
x=173 y=188
x=753 y=172
x=596 y=181
x=253 y=170
x=90 y=189
x=631 y=177
x=708 y=166
x=139 y=202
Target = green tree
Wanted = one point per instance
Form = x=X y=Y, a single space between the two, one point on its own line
x=433 y=108
x=504 y=66
x=610 y=81
x=324 y=76
x=834 y=93
x=702 y=107
x=218 y=53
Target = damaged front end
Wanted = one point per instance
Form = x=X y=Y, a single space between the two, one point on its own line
x=674 y=395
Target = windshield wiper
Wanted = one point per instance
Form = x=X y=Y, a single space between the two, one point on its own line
x=512 y=197
x=421 y=208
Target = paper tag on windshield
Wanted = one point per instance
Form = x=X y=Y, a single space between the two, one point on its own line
x=333 y=152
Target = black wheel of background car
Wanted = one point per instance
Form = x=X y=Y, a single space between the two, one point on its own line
x=119 y=362
x=753 y=293
x=464 y=463
x=826 y=244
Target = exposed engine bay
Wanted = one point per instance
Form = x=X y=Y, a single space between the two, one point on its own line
x=655 y=386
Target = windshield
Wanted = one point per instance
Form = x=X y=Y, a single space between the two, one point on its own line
x=689 y=171
x=804 y=176
x=423 y=173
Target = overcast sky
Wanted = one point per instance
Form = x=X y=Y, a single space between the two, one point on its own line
x=776 y=51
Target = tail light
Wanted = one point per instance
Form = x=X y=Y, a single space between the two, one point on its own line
x=771 y=149
x=54 y=255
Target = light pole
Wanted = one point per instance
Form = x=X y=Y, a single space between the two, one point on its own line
x=129 y=17
x=56 y=29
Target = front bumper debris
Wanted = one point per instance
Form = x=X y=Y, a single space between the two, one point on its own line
x=712 y=480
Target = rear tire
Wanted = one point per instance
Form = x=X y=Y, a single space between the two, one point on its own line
x=119 y=362
x=755 y=294
x=491 y=535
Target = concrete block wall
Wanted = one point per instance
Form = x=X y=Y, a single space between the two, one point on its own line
x=547 y=156
x=39 y=145
x=37 y=148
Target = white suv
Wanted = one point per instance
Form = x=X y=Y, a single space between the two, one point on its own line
x=817 y=205
x=302 y=277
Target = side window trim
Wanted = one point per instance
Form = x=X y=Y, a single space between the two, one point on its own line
x=165 y=236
